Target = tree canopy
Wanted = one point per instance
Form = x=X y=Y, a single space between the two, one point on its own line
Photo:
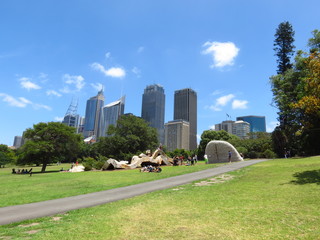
x=284 y=38
x=6 y=155
x=130 y=136
x=49 y=142
x=296 y=94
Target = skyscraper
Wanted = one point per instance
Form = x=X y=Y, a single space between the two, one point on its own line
x=185 y=108
x=257 y=123
x=71 y=117
x=93 y=115
x=110 y=114
x=153 y=107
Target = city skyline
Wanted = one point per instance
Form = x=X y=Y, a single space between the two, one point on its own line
x=51 y=53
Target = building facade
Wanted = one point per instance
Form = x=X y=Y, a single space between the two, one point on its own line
x=93 y=115
x=241 y=129
x=153 y=108
x=185 y=108
x=177 y=135
x=257 y=123
x=17 y=141
x=110 y=114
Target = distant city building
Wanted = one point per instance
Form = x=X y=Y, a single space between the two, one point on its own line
x=241 y=129
x=257 y=123
x=110 y=114
x=177 y=135
x=17 y=141
x=93 y=115
x=238 y=128
x=153 y=108
x=81 y=125
x=185 y=108
x=71 y=117
x=225 y=125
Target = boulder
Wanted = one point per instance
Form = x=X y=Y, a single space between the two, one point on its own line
x=218 y=152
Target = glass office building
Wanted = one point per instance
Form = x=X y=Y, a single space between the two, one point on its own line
x=110 y=114
x=153 y=107
x=185 y=108
x=257 y=123
x=93 y=115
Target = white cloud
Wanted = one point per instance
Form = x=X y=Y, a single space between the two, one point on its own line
x=272 y=125
x=97 y=86
x=223 y=53
x=54 y=93
x=136 y=71
x=221 y=102
x=216 y=92
x=59 y=119
x=21 y=102
x=76 y=81
x=115 y=72
x=213 y=127
x=239 y=104
x=13 y=101
x=27 y=84
x=108 y=55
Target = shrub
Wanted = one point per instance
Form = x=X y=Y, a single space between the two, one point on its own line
x=252 y=154
x=88 y=163
x=242 y=150
x=269 y=154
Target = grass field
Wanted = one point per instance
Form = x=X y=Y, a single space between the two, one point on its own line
x=277 y=199
x=21 y=188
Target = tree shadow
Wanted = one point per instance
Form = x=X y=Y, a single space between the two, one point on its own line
x=307 y=177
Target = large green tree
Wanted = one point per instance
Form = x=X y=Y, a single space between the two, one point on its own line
x=49 y=142
x=131 y=136
x=6 y=155
x=283 y=46
x=296 y=95
x=209 y=135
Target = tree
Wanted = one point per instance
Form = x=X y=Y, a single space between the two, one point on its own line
x=6 y=155
x=49 y=142
x=210 y=135
x=283 y=43
x=296 y=94
x=132 y=135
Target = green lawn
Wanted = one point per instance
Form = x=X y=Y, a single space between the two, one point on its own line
x=21 y=188
x=277 y=199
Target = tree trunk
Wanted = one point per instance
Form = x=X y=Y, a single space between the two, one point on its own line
x=44 y=165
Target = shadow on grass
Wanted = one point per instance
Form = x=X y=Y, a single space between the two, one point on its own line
x=307 y=177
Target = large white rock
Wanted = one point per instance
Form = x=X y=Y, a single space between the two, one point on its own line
x=218 y=151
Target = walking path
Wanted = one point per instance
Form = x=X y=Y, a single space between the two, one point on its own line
x=47 y=208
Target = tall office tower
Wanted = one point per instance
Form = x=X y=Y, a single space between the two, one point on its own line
x=153 y=105
x=257 y=123
x=92 y=117
x=177 y=135
x=110 y=114
x=17 y=141
x=185 y=108
x=71 y=118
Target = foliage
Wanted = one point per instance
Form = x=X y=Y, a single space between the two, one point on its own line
x=49 y=142
x=296 y=94
x=209 y=135
x=180 y=152
x=283 y=43
x=6 y=155
x=253 y=147
x=131 y=136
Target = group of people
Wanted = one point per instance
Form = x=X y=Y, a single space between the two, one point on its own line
x=180 y=160
x=151 y=168
x=23 y=171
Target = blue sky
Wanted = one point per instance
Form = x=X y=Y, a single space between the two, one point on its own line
x=52 y=51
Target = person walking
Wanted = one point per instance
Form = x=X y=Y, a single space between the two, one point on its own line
x=229 y=155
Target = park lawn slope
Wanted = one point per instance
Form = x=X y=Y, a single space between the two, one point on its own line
x=21 y=188
x=277 y=199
